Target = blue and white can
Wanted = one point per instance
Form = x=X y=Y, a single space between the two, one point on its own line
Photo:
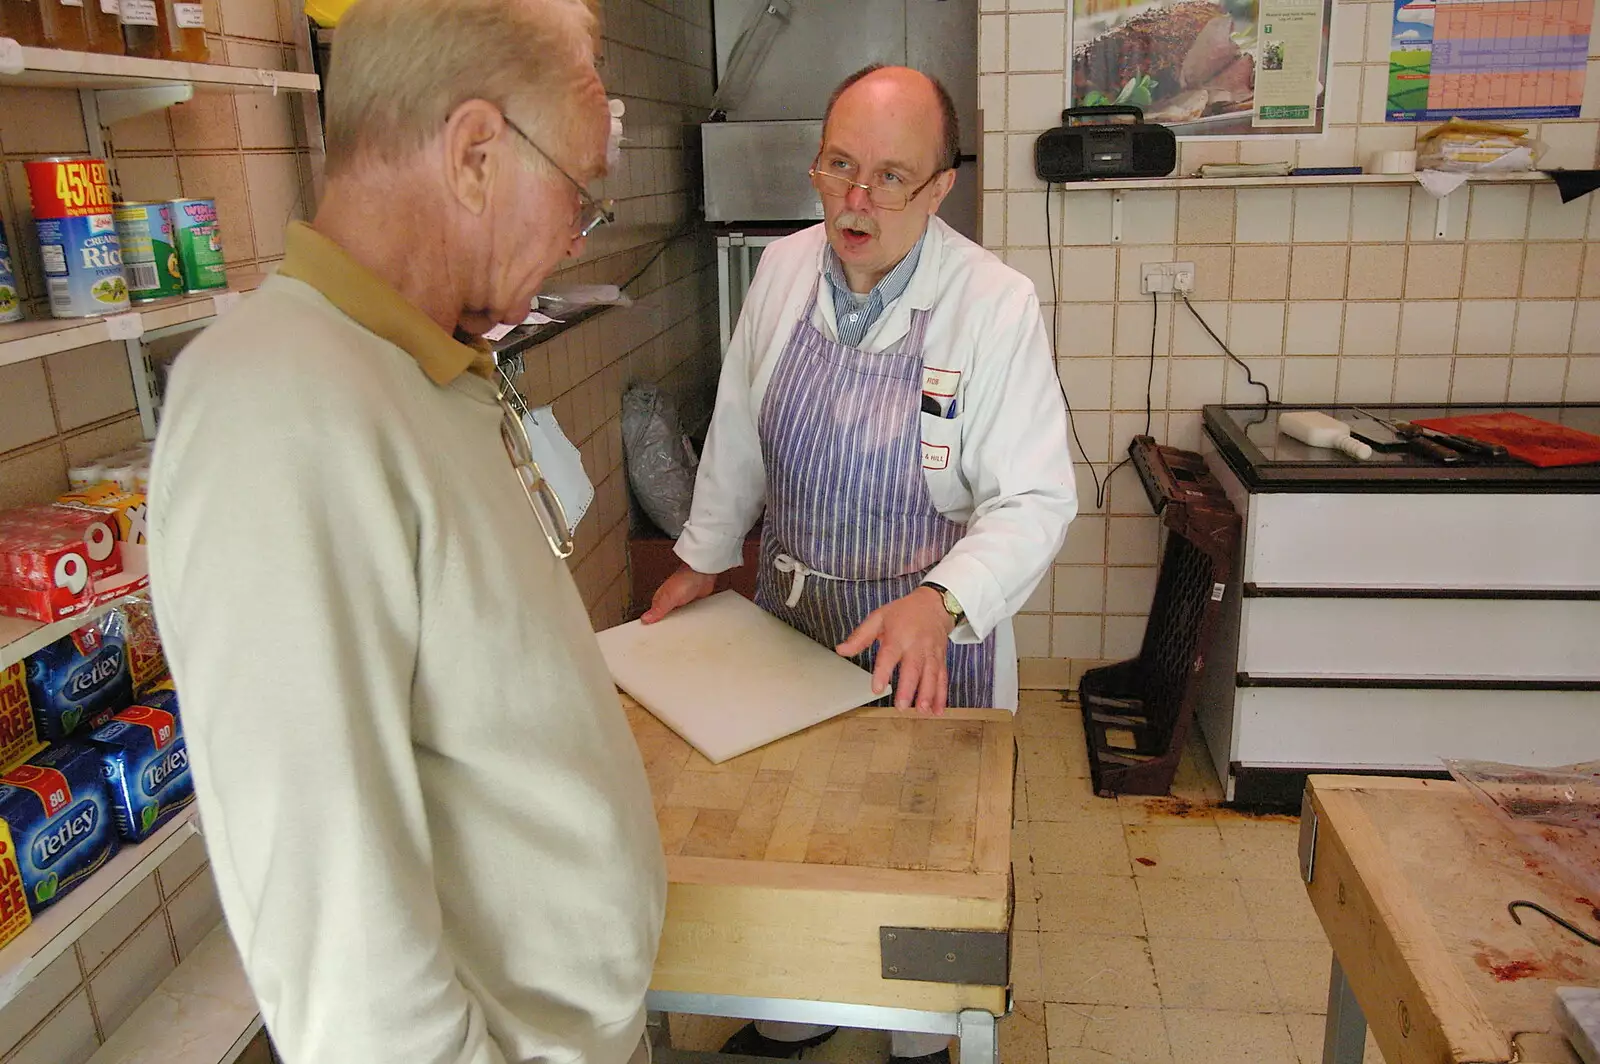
x=10 y=297
x=78 y=242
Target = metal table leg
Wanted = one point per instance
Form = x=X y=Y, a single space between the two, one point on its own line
x=657 y=1030
x=979 y=1045
x=974 y=1027
x=1345 y=1039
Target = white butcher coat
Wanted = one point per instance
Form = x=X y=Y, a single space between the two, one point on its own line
x=1000 y=466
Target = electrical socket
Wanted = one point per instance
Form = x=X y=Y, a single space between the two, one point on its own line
x=1166 y=277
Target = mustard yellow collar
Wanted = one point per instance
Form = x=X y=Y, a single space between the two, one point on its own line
x=374 y=305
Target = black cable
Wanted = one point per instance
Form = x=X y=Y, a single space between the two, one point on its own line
x=683 y=230
x=1150 y=378
x=1226 y=349
x=1101 y=488
x=1055 y=322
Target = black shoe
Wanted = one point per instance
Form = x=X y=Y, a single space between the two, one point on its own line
x=941 y=1057
x=749 y=1042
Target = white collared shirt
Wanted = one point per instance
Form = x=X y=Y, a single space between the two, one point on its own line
x=857 y=314
x=1000 y=466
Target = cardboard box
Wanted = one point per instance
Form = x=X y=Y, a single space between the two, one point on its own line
x=14 y=914
x=52 y=556
x=19 y=736
x=129 y=508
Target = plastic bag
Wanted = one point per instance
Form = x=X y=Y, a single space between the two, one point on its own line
x=1553 y=812
x=567 y=298
x=661 y=461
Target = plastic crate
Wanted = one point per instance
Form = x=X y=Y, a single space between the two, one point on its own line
x=1137 y=713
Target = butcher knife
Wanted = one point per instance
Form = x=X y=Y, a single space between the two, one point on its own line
x=1410 y=431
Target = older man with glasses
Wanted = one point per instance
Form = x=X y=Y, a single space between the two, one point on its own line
x=890 y=402
x=431 y=829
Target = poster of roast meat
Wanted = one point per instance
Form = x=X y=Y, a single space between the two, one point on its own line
x=1205 y=68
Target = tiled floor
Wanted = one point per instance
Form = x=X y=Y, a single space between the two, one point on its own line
x=1147 y=931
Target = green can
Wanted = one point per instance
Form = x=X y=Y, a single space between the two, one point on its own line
x=149 y=255
x=198 y=241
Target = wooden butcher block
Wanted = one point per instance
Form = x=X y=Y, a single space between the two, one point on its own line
x=1411 y=879
x=784 y=863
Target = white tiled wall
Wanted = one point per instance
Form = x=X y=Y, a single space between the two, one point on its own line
x=1328 y=293
x=657 y=58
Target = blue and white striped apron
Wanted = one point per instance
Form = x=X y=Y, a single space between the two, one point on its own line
x=850 y=525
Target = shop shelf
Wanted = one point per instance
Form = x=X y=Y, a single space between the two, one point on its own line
x=1300 y=181
x=56 y=69
x=54 y=931
x=26 y=340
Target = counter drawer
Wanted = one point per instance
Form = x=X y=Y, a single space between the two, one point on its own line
x=1454 y=541
x=1406 y=638
x=1410 y=728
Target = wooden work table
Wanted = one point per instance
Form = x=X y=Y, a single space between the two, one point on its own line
x=1411 y=879
x=788 y=867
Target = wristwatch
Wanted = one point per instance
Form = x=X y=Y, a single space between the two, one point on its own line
x=951 y=606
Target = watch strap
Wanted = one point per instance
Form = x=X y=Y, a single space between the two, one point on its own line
x=952 y=605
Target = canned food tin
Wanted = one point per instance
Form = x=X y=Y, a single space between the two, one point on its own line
x=77 y=236
x=198 y=240
x=149 y=257
x=10 y=298
x=84 y=476
x=124 y=475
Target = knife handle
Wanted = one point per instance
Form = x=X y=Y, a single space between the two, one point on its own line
x=1471 y=445
x=1436 y=451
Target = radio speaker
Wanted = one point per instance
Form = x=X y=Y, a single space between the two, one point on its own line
x=1082 y=151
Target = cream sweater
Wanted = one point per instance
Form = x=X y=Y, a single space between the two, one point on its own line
x=429 y=824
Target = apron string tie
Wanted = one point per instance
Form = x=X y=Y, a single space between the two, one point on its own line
x=786 y=563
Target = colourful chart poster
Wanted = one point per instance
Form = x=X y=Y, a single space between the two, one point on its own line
x=1488 y=59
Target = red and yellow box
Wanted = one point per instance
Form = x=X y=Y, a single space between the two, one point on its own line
x=128 y=506
x=14 y=914
x=51 y=558
x=19 y=737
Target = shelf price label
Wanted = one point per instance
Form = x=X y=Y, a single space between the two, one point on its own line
x=125 y=326
x=223 y=302
x=11 y=57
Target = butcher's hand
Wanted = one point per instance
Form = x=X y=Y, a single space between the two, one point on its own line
x=913 y=633
x=680 y=589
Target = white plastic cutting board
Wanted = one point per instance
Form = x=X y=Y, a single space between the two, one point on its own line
x=729 y=677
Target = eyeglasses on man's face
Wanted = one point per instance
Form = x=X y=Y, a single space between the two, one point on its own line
x=592 y=213
x=541 y=496
x=834 y=176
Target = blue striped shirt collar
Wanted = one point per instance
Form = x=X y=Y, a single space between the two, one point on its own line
x=856 y=314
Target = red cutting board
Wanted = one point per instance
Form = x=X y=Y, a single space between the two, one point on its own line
x=1540 y=443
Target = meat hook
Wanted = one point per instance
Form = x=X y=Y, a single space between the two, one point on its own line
x=1514 y=906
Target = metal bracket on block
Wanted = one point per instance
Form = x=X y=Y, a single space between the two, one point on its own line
x=927 y=955
x=117 y=105
x=1308 y=837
